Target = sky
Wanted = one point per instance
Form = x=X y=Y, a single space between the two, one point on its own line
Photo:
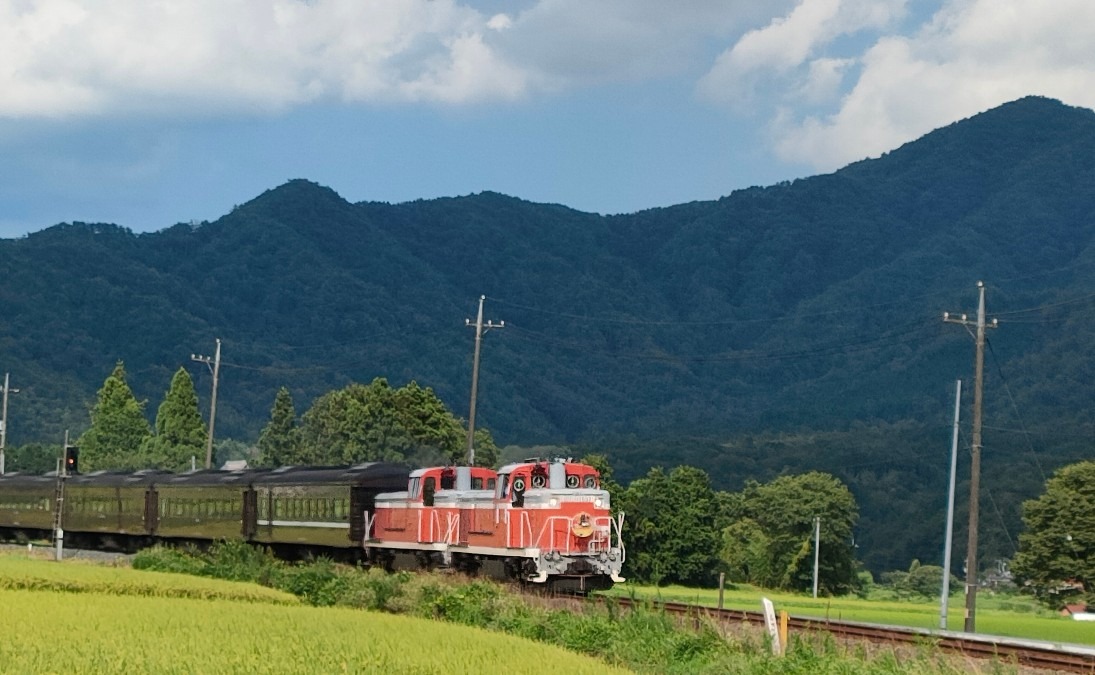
x=155 y=112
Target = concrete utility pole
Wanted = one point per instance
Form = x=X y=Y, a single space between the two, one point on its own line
x=480 y=328
x=975 y=451
x=817 y=549
x=4 y=422
x=214 y=366
x=950 y=513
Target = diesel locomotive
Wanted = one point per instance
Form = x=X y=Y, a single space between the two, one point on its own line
x=541 y=522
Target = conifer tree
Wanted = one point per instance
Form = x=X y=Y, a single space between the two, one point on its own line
x=118 y=428
x=279 y=443
x=180 y=431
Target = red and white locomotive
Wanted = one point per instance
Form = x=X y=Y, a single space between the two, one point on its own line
x=544 y=522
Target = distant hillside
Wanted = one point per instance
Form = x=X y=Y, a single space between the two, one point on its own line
x=775 y=330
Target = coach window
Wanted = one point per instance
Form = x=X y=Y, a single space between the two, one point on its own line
x=477 y=483
x=503 y=487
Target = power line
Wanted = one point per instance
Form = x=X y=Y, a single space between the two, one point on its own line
x=1015 y=407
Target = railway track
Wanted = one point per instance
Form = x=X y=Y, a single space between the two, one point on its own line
x=1037 y=654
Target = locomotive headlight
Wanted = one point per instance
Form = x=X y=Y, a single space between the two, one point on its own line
x=597 y=503
x=553 y=502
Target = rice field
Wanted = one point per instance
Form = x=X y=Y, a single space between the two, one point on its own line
x=95 y=633
x=85 y=618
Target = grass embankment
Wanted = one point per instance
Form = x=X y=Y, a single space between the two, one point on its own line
x=996 y=615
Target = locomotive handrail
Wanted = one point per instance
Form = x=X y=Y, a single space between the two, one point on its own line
x=370 y=520
x=452 y=529
x=524 y=525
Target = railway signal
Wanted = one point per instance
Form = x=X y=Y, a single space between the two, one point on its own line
x=72 y=459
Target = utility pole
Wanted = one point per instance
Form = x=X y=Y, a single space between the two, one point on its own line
x=950 y=514
x=480 y=328
x=215 y=367
x=975 y=451
x=4 y=422
x=817 y=549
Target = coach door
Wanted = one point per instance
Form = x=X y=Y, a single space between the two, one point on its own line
x=250 y=514
x=151 y=511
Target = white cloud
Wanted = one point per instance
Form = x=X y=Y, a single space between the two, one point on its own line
x=971 y=56
x=74 y=57
x=63 y=58
x=771 y=57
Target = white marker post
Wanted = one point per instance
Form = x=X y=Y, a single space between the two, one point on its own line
x=773 y=627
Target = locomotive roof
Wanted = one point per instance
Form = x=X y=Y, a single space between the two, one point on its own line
x=510 y=468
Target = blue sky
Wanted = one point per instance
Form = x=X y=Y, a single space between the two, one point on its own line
x=146 y=114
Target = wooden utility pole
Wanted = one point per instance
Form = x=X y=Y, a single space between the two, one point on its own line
x=215 y=366
x=480 y=328
x=975 y=451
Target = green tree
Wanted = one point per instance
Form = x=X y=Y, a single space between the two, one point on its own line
x=118 y=428
x=782 y=512
x=1056 y=556
x=746 y=552
x=31 y=458
x=486 y=451
x=279 y=442
x=180 y=433
x=430 y=425
x=671 y=533
x=354 y=424
x=375 y=422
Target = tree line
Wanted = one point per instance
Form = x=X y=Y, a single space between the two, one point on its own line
x=358 y=423
x=679 y=529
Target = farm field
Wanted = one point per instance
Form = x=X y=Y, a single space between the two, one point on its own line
x=996 y=615
x=59 y=632
x=89 y=618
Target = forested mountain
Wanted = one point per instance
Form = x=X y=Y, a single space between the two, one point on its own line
x=778 y=329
